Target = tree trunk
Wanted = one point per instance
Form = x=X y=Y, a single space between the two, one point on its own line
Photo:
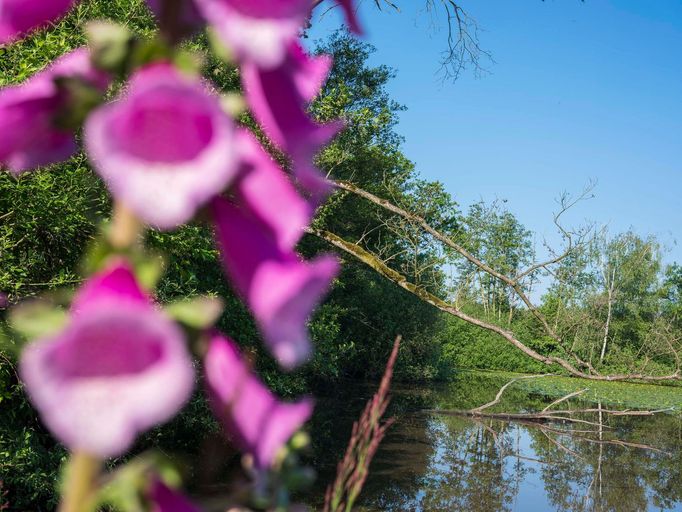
x=609 y=313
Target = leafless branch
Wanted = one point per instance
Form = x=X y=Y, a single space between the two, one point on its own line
x=375 y=263
x=563 y=399
x=566 y=202
x=503 y=389
x=463 y=49
x=544 y=419
x=514 y=284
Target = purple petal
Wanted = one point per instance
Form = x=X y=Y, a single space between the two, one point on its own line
x=286 y=293
x=269 y=195
x=165 y=499
x=76 y=63
x=280 y=289
x=279 y=98
x=117 y=283
x=165 y=148
x=257 y=422
x=18 y=17
x=30 y=137
x=119 y=368
x=309 y=73
x=257 y=31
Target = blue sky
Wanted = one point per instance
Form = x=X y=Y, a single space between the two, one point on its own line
x=578 y=92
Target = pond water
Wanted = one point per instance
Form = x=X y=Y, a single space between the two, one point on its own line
x=448 y=463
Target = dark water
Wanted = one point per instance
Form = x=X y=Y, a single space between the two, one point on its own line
x=444 y=463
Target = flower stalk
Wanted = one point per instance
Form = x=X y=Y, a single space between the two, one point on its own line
x=79 y=490
x=125 y=227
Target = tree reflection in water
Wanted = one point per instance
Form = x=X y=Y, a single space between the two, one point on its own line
x=435 y=463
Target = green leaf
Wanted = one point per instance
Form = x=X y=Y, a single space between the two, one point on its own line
x=127 y=485
x=110 y=44
x=37 y=319
x=198 y=313
x=219 y=49
x=148 y=265
x=190 y=62
x=148 y=51
x=148 y=269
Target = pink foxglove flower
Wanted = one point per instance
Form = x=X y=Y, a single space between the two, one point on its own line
x=119 y=368
x=280 y=289
x=308 y=73
x=269 y=196
x=165 y=499
x=258 y=31
x=18 y=17
x=256 y=421
x=279 y=98
x=165 y=148
x=30 y=135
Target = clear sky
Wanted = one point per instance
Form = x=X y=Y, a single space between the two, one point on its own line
x=578 y=92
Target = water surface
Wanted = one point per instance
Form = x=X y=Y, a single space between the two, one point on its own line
x=448 y=463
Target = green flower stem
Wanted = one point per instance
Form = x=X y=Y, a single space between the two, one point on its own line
x=124 y=228
x=79 y=484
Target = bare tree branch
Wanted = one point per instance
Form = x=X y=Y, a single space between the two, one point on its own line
x=375 y=263
x=514 y=284
x=503 y=389
x=542 y=420
x=463 y=49
x=563 y=399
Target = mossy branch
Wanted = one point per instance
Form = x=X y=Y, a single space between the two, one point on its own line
x=374 y=262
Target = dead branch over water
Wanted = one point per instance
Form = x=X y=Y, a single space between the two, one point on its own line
x=547 y=419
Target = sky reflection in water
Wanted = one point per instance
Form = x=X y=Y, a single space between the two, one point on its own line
x=443 y=463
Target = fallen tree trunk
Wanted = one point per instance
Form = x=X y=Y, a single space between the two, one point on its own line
x=379 y=266
x=544 y=419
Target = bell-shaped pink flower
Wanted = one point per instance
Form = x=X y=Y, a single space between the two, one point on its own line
x=279 y=99
x=280 y=289
x=164 y=148
x=308 y=73
x=165 y=499
x=119 y=368
x=257 y=31
x=18 y=17
x=271 y=198
x=30 y=135
x=255 y=419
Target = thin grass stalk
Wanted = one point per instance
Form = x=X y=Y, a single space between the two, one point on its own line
x=366 y=436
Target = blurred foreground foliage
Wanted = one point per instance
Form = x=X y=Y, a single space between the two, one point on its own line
x=50 y=218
